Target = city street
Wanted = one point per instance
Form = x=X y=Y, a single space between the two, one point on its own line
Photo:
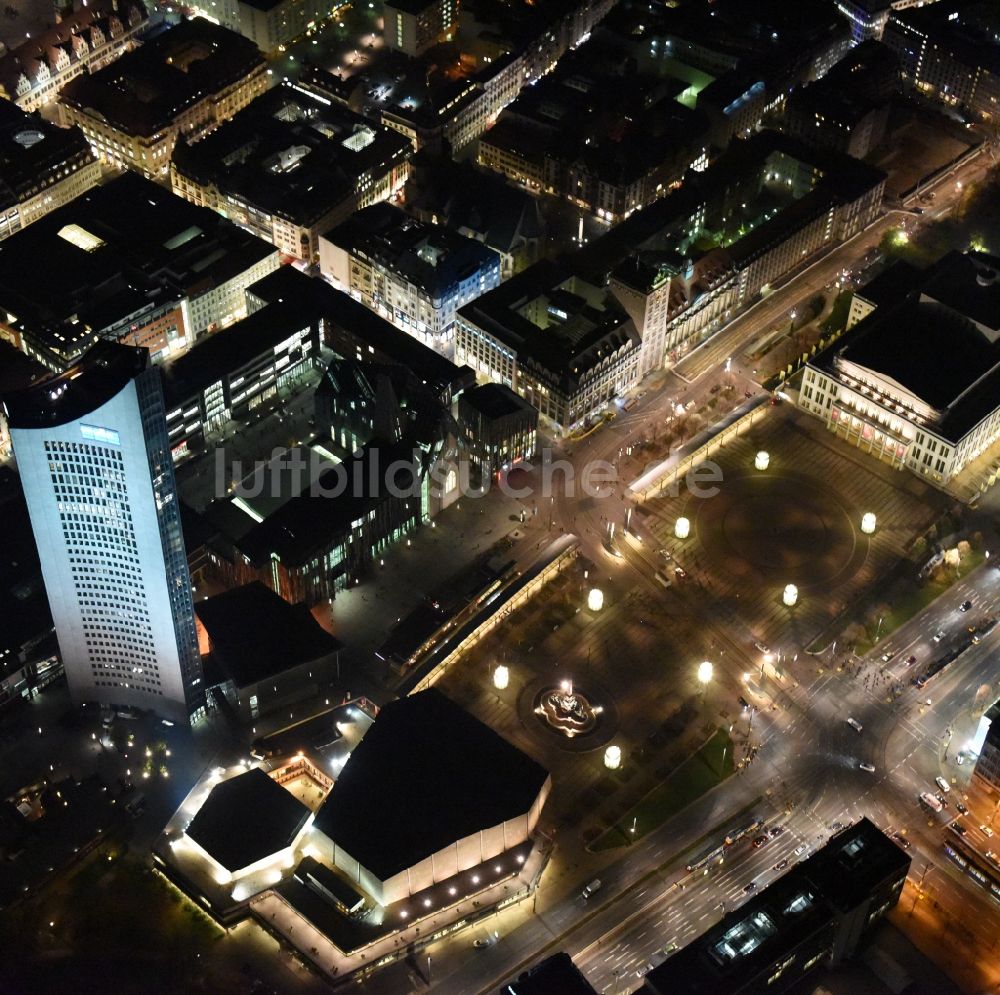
x=809 y=781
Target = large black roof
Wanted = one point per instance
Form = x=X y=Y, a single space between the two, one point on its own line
x=149 y=88
x=257 y=634
x=426 y=774
x=226 y=351
x=247 y=818
x=925 y=347
x=936 y=333
x=99 y=376
x=556 y=975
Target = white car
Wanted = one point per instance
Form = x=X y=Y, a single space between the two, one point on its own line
x=942 y=784
x=870 y=768
x=854 y=724
x=986 y=831
x=799 y=850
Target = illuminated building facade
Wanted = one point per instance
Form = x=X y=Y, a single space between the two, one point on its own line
x=81 y=41
x=186 y=81
x=866 y=17
x=950 y=52
x=232 y=373
x=91 y=449
x=127 y=261
x=813 y=916
x=415 y=274
x=423 y=752
x=498 y=427
x=413 y=26
x=762 y=209
x=290 y=166
x=875 y=387
x=267 y=23
x=42 y=168
x=560 y=341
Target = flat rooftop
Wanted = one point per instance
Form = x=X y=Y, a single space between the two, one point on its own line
x=800 y=905
x=339 y=310
x=429 y=256
x=495 y=400
x=99 y=376
x=257 y=634
x=421 y=754
x=549 y=314
x=556 y=975
x=114 y=252
x=294 y=155
x=146 y=90
x=247 y=818
x=950 y=312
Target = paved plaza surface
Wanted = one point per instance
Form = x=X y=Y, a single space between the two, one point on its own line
x=798 y=522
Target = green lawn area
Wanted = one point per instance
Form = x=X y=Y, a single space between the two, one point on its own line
x=915 y=601
x=710 y=766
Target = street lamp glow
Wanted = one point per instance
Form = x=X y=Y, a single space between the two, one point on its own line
x=868 y=521
x=762 y=460
x=613 y=757
x=704 y=671
x=682 y=528
x=595 y=600
x=790 y=595
x=501 y=677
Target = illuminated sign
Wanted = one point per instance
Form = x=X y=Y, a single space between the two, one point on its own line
x=93 y=433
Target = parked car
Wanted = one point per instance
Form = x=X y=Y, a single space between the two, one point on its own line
x=751 y=888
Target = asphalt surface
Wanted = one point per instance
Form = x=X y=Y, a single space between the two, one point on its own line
x=808 y=762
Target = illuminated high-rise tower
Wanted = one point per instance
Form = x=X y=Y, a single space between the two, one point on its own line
x=92 y=451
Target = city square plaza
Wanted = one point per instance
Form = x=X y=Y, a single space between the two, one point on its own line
x=799 y=522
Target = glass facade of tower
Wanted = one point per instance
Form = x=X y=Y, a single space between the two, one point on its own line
x=92 y=452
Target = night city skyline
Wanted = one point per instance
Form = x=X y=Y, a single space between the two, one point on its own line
x=498 y=497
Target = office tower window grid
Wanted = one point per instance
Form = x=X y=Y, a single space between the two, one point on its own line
x=89 y=486
x=161 y=472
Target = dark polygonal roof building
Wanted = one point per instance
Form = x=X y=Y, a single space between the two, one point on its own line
x=430 y=791
x=256 y=634
x=246 y=819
